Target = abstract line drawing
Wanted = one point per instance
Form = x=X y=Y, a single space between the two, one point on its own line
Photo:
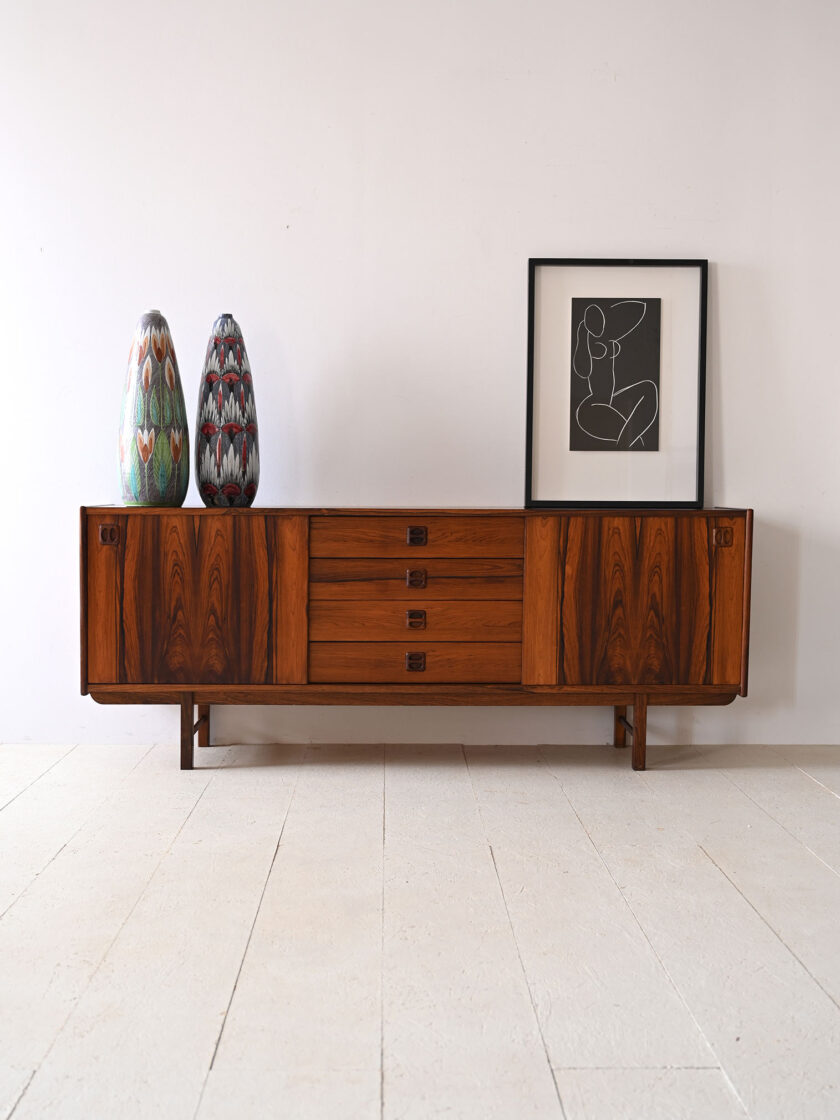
x=615 y=375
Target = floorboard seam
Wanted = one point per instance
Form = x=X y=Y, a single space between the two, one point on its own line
x=513 y=935
x=644 y=934
x=21 y=1095
x=775 y=932
x=38 y=778
x=781 y=751
x=116 y=936
x=815 y=779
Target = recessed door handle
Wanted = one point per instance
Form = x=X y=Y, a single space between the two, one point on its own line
x=723 y=537
x=109 y=534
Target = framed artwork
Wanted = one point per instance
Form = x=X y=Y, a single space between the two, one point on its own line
x=616 y=383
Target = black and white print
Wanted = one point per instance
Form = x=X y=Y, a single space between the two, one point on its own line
x=615 y=375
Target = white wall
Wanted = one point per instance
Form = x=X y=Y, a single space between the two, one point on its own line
x=361 y=184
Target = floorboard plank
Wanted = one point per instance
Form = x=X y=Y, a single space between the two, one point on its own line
x=316 y=1095
x=22 y=764
x=771 y=778
x=821 y=763
x=804 y=807
x=54 y=939
x=774 y=1031
x=149 y=1020
x=46 y=815
x=794 y=891
x=654 y=1094
x=308 y=997
x=577 y=937
x=460 y=1034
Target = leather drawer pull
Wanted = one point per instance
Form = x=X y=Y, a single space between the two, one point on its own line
x=417 y=534
x=415 y=620
x=415 y=662
x=415 y=577
x=109 y=534
x=723 y=537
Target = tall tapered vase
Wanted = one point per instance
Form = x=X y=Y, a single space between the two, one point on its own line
x=154 y=440
x=227 y=451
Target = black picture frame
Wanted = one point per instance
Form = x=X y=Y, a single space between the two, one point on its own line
x=583 y=478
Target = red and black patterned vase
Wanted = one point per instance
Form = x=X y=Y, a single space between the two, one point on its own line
x=227 y=458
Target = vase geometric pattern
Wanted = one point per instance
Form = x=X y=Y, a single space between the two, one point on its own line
x=227 y=452
x=154 y=440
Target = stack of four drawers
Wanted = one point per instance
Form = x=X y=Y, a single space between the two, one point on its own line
x=416 y=599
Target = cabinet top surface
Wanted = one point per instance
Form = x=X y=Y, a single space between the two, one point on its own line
x=398 y=511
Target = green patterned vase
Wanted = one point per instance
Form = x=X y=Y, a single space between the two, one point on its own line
x=154 y=442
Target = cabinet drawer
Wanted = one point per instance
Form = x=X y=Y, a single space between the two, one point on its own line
x=416 y=536
x=414 y=578
x=410 y=663
x=407 y=621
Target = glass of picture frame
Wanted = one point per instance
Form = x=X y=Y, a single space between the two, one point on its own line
x=616 y=383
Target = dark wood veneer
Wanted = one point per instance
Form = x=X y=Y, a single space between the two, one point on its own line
x=376 y=579
x=471 y=621
x=615 y=607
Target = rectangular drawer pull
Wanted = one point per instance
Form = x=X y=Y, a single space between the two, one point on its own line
x=417 y=534
x=415 y=577
x=415 y=662
x=415 y=620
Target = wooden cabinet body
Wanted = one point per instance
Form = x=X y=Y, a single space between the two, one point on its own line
x=416 y=606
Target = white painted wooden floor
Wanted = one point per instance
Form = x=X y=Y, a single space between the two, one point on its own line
x=401 y=933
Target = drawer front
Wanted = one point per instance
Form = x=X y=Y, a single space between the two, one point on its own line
x=410 y=663
x=414 y=578
x=416 y=536
x=407 y=621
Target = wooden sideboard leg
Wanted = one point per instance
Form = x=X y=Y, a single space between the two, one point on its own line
x=203 y=725
x=619 y=728
x=187 y=731
x=639 y=731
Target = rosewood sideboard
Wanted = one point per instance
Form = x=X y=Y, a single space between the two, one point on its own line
x=350 y=606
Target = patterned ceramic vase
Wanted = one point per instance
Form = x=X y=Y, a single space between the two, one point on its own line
x=227 y=459
x=154 y=440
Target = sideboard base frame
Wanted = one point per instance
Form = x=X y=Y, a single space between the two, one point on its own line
x=202 y=696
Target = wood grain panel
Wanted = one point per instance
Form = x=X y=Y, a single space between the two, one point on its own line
x=541 y=601
x=727 y=602
x=637 y=601
x=385 y=662
x=445 y=536
x=386 y=579
x=692 y=598
x=475 y=621
x=290 y=582
x=196 y=600
x=101 y=600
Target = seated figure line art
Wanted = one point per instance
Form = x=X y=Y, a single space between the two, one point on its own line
x=610 y=413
